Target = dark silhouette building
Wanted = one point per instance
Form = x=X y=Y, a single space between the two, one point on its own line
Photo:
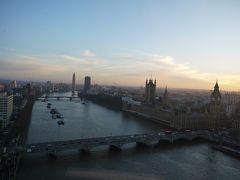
x=73 y=84
x=216 y=108
x=165 y=98
x=150 y=92
x=215 y=102
x=87 y=84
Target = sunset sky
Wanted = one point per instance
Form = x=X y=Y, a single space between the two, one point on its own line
x=184 y=44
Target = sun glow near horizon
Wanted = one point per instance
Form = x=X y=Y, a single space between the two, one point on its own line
x=184 y=44
x=126 y=70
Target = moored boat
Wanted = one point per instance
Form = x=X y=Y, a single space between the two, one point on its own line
x=60 y=122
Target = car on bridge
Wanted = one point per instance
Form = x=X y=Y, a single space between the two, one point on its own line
x=29 y=150
x=168 y=132
x=188 y=131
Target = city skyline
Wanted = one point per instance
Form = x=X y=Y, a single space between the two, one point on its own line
x=183 y=44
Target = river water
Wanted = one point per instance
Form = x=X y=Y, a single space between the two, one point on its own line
x=181 y=160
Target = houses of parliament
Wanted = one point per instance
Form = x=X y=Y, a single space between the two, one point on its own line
x=180 y=115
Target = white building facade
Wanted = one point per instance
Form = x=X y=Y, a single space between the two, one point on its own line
x=6 y=109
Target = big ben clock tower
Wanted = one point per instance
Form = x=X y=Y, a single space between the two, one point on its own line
x=215 y=103
x=216 y=96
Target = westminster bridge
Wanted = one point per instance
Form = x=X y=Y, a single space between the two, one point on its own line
x=116 y=142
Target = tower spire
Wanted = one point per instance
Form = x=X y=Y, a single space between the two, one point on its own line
x=165 y=98
x=73 y=84
x=216 y=85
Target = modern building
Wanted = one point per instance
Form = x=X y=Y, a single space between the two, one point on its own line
x=87 y=84
x=150 y=92
x=73 y=84
x=6 y=109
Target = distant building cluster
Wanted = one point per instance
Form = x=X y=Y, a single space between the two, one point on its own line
x=86 y=86
x=183 y=109
x=13 y=98
x=213 y=111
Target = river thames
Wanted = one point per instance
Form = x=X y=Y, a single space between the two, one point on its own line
x=181 y=160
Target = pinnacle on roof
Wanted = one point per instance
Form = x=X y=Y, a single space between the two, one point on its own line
x=216 y=85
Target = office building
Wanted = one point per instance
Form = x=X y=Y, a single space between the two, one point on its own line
x=87 y=84
x=6 y=109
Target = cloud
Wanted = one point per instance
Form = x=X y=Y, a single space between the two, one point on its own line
x=168 y=70
x=157 y=62
x=88 y=53
x=95 y=61
x=27 y=57
x=29 y=68
x=117 y=69
x=72 y=58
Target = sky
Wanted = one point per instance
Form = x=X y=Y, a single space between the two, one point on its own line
x=181 y=44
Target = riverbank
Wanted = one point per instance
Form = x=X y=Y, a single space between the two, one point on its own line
x=230 y=146
x=22 y=128
x=17 y=137
x=113 y=102
x=228 y=150
x=148 y=117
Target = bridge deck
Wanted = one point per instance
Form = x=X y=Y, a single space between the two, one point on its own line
x=51 y=97
x=116 y=141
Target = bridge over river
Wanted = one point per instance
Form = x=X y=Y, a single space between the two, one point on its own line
x=116 y=142
x=58 y=97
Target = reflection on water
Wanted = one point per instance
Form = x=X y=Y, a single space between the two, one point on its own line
x=182 y=160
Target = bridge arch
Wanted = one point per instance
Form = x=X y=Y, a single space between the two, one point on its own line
x=182 y=138
x=160 y=141
x=114 y=147
x=197 y=137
